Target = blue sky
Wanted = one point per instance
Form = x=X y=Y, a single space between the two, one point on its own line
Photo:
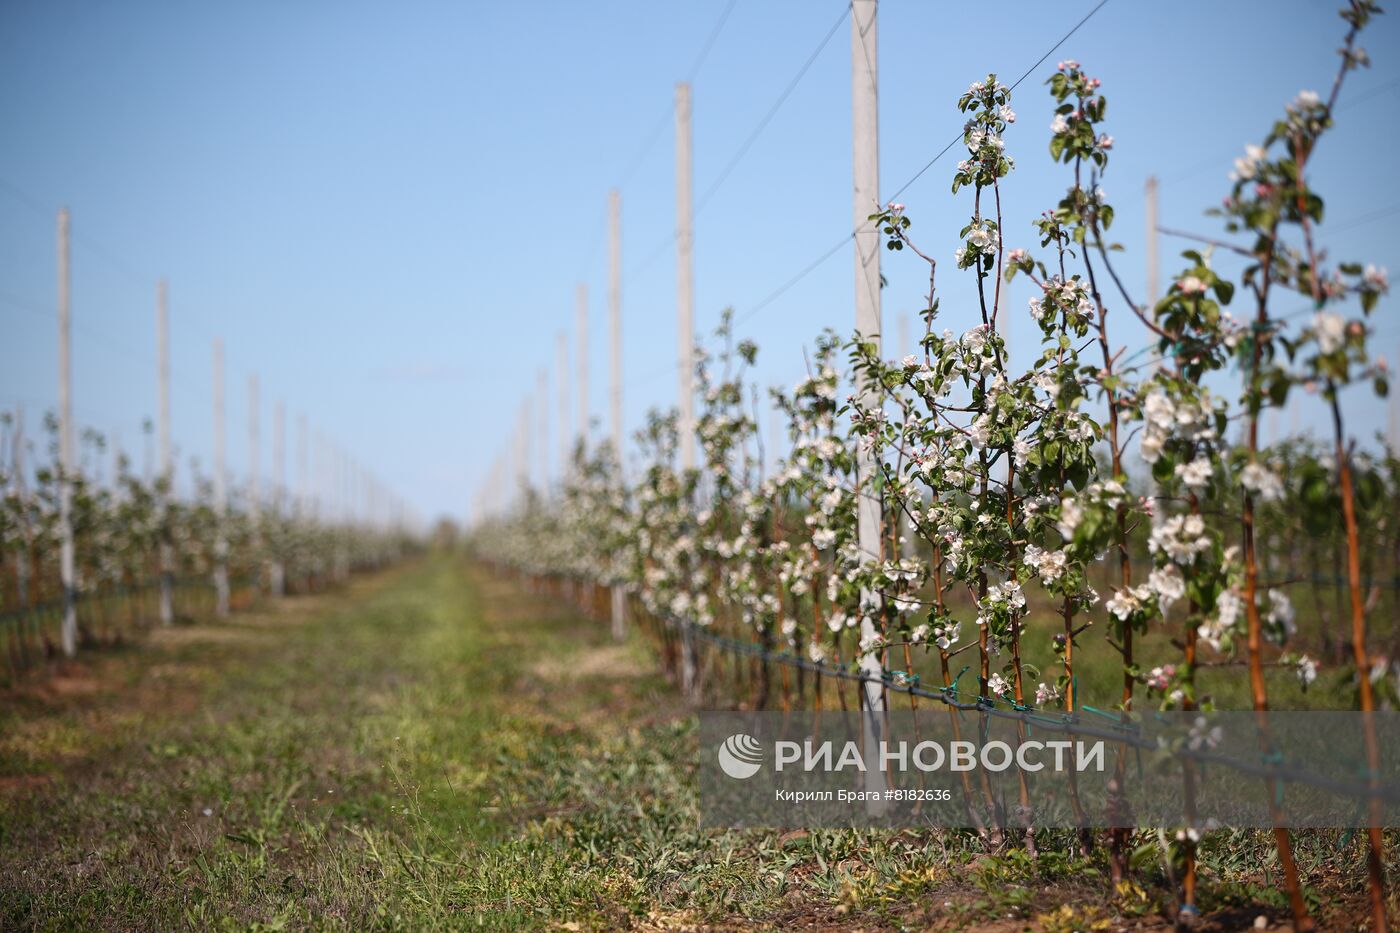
x=384 y=209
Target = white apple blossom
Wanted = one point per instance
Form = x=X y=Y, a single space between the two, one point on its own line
x=1071 y=514
x=1306 y=670
x=1179 y=537
x=1306 y=100
x=1215 y=630
x=1261 y=481
x=1168 y=583
x=1159 y=411
x=947 y=636
x=1048 y=565
x=1125 y=602
x=1159 y=678
x=1330 y=329
x=1204 y=735
x=1150 y=448
x=1007 y=594
x=981 y=430
x=1191 y=285
x=1247 y=166
x=1196 y=474
x=1280 y=616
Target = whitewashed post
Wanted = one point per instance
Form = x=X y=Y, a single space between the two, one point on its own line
x=317 y=481
x=581 y=324
x=118 y=452
x=342 y=486
x=67 y=557
x=1153 y=283
x=866 y=162
x=619 y=596
x=542 y=453
x=221 y=594
x=1393 y=428
x=21 y=493
x=522 y=450
x=301 y=506
x=685 y=279
x=254 y=468
x=775 y=437
x=333 y=475
x=566 y=434
x=615 y=317
x=685 y=337
x=908 y=546
x=279 y=479
x=582 y=426
x=167 y=466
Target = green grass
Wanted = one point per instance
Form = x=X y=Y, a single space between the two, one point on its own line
x=437 y=748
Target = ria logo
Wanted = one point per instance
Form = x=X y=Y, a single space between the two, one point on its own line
x=740 y=756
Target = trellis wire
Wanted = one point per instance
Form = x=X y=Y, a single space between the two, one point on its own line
x=1123 y=732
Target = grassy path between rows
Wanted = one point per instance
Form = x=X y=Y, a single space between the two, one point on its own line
x=365 y=758
x=434 y=748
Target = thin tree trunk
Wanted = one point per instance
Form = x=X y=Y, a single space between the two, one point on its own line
x=1375 y=858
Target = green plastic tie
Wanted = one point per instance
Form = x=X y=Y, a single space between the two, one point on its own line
x=1091 y=709
x=953 y=688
